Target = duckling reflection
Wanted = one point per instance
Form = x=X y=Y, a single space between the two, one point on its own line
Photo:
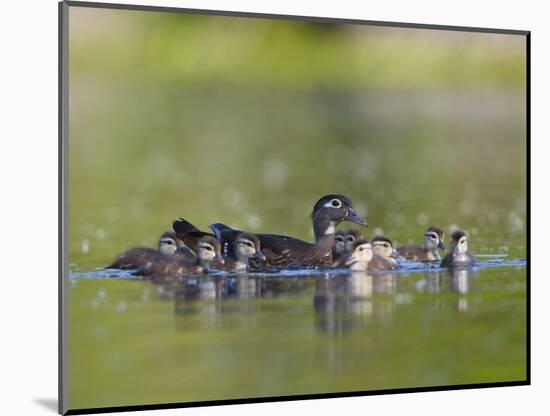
x=452 y=280
x=344 y=303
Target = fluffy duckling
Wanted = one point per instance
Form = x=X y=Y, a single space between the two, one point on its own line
x=135 y=258
x=359 y=258
x=245 y=246
x=208 y=251
x=433 y=240
x=459 y=255
x=384 y=254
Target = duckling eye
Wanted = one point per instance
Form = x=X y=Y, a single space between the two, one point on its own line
x=339 y=238
x=336 y=203
x=386 y=245
x=350 y=239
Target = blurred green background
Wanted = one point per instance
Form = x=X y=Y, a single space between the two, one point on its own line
x=249 y=121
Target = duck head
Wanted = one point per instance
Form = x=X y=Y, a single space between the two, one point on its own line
x=352 y=236
x=459 y=242
x=433 y=239
x=247 y=245
x=383 y=247
x=169 y=243
x=339 y=242
x=360 y=256
x=331 y=210
x=209 y=250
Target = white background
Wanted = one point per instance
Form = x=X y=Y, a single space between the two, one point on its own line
x=28 y=164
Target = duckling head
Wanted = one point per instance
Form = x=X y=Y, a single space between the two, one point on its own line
x=459 y=241
x=433 y=239
x=361 y=255
x=247 y=245
x=339 y=242
x=168 y=243
x=352 y=236
x=331 y=210
x=383 y=247
x=208 y=250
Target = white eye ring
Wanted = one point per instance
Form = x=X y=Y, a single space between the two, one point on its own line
x=333 y=203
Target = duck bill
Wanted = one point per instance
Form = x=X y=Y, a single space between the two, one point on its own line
x=219 y=259
x=441 y=246
x=353 y=216
x=394 y=254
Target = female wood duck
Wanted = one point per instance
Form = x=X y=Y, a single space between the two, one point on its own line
x=433 y=240
x=459 y=255
x=137 y=257
x=359 y=258
x=284 y=251
x=208 y=252
x=384 y=254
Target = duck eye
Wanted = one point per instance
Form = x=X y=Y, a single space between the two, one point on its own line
x=386 y=245
x=336 y=203
x=168 y=242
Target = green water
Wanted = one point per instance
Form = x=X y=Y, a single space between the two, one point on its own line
x=417 y=129
x=137 y=343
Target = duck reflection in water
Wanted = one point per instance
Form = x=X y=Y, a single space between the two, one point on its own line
x=207 y=294
x=457 y=280
x=343 y=303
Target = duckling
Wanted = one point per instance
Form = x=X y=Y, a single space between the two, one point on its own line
x=352 y=235
x=384 y=254
x=137 y=257
x=433 y=240
x=208 y=251
x=339 y=247
x=284 y=251
x=236 y=254
x=359 y=258
x=245 y=246
x=459 y=255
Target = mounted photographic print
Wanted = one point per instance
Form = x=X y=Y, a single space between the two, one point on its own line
x=264 y=208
